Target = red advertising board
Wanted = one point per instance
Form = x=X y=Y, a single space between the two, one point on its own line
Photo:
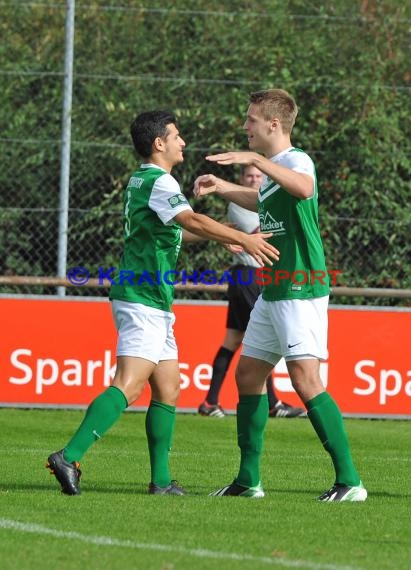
x=61 y=352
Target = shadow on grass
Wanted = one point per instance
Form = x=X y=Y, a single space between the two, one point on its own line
x=199 y=491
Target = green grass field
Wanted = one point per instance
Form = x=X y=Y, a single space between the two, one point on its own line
x=114 y=524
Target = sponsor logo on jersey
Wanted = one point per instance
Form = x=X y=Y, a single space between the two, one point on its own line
x=135 y=182
x=177 y=200
x=269 y=224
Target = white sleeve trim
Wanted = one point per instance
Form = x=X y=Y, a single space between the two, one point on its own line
x=167 y=200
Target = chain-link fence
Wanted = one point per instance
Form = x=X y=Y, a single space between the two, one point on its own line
x=369 y=248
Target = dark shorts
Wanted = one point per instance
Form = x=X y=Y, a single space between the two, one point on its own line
x=241 y=296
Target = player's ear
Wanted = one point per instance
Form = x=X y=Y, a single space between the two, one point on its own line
x=158 y=144
x=274 y=124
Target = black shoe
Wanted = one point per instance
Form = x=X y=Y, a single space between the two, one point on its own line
x=339 y=493
x=236 y=490
x=212 y=410
x=171 y=489
x=283 y=410
x=67 y=474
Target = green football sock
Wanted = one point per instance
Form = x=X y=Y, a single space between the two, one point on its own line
x=160 y=420
x=327 y=421
x=101 y=414
x=252 y=415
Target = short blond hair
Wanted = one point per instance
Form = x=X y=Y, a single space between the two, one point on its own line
x=276 y=103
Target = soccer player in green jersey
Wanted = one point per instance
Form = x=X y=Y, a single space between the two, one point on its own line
x=289 y=319
x=241 y=295
x=155 y=211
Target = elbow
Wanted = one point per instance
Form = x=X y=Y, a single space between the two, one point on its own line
x=191 y=224
x=190 y=227
x=306 y=191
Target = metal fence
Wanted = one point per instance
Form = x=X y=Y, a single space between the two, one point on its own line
x=45 y=229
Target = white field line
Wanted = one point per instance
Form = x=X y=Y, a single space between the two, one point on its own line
x=8 y=524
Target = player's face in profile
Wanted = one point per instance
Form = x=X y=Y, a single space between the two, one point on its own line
x=257 y=128
x=174 y=145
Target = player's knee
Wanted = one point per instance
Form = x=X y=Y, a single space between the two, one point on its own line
x=131 y=392
x=246 y=380
x=166 y=394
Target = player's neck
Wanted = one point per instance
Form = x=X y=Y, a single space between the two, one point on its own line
x=277 y=145
x=160 y=162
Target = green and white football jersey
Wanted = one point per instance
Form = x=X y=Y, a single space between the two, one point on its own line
x=152 y=240
x=301 y=271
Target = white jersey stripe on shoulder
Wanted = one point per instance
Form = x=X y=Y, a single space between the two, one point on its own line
x=262 y=196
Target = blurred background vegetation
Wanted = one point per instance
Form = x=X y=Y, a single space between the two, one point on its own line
x=346 y=62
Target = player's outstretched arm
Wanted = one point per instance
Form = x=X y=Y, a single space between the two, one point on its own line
x=241 y=195
x=189 y=237
x=255 y=244
x=295 y=183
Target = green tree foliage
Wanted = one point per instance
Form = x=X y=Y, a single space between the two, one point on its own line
x=346 y=63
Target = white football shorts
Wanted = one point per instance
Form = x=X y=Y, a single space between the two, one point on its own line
x=144 y=332
x=293 y=329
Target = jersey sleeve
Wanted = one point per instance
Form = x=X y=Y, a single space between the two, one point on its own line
x=300 y=162
x=167 y=200
x=244 y=220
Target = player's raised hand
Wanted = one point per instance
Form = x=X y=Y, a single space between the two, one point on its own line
x=257 y=246
x=205 y=184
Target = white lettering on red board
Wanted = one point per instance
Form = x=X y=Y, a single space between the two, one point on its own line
x=386 y=382
x=45 y=372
